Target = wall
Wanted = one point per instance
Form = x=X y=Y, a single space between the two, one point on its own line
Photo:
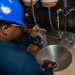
x=42 y=16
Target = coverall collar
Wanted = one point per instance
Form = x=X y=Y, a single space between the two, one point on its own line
x=7 y=44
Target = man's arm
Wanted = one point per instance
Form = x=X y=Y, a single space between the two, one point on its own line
x=27 y=40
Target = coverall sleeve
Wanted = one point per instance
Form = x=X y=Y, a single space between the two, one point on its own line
x=26 y=41
x=36 y=71
x=48 y=71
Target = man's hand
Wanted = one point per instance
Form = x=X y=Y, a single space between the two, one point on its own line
x=34 y=31
x=48 y=64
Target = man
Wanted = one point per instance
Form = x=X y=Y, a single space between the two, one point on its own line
x=14 y=58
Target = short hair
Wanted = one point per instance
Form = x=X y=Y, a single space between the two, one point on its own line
x=3 y=22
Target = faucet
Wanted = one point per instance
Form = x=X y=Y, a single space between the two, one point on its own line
x=58 y=24
x=69 y=11
x=58 y=11
x=60 y=34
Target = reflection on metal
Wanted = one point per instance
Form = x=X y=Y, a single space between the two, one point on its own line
x=56 y=53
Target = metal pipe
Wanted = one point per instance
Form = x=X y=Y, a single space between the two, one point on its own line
x=69 y=11
x=58 y=11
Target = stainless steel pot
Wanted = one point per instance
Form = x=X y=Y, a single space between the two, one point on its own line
x=56 y=53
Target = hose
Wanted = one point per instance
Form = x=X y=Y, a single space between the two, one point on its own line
x=33 y=13
x=49 y=12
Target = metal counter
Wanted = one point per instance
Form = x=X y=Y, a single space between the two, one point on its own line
x=52 y=37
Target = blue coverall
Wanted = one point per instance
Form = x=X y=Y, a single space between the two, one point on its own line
x=15 y=60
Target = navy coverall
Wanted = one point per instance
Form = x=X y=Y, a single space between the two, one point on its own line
x=15 y=60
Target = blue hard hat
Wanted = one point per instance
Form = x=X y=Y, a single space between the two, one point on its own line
x=12 y=11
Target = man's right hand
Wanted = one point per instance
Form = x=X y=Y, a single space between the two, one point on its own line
x=34 y=31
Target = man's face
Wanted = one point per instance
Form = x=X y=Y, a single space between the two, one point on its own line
x=11 y=33
x=15 y=32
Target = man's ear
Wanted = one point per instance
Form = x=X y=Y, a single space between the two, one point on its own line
x=5 y=29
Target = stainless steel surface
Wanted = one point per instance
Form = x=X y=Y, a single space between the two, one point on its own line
x=56 y=53
x=52 y=37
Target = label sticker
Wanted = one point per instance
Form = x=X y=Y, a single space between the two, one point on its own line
x=6 y=10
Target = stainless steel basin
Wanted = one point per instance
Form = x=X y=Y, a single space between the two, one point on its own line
x=56 y=53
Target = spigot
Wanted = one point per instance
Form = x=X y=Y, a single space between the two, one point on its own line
x=58 y=11
x=69 y=12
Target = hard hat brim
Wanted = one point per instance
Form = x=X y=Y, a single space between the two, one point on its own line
x=22 y=23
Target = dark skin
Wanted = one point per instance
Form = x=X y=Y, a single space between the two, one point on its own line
x=13 y=32
x=9 y=33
